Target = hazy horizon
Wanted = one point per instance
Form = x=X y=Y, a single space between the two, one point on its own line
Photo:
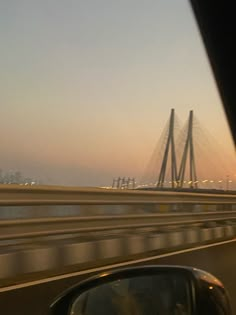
x=87 y=87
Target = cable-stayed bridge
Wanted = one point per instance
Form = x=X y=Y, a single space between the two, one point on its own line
x=188 y=157
x=52 y=236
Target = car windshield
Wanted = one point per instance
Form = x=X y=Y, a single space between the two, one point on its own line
x=87 y=88
x=115 y=148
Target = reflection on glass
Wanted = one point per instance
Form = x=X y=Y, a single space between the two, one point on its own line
x=149 y=295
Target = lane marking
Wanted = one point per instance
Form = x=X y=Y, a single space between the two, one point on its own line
x=117 y=265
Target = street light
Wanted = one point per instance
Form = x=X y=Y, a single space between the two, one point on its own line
x=227 y=182
x=220 y=185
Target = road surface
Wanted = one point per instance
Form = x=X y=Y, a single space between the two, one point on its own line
x=35 y=297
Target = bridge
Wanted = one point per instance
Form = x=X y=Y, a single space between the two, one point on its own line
x=53 y=237
x=186 y=156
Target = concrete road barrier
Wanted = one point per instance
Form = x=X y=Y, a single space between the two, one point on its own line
x=55 y=257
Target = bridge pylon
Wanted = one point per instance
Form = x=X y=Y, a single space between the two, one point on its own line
x=188 y=147
x=170 y=146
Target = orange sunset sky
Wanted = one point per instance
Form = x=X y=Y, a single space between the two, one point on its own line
x=87 y=87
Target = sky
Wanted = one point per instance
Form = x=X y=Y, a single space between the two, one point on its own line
x=86 y=87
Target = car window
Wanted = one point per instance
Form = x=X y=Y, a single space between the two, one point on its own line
x=112 y=95
x=87 y=88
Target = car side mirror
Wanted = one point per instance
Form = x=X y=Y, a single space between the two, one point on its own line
x=147 y=290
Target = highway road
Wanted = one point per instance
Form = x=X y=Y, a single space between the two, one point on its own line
x=34 y=298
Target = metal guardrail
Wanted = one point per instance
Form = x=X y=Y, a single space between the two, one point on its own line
x=31 y=228
x=17 y=195
x=106 y=225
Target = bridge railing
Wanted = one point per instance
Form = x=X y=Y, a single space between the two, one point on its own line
x=53 y=229
x=101 y=210
x=102 y=225
x=53 y=201
x=17 y=195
